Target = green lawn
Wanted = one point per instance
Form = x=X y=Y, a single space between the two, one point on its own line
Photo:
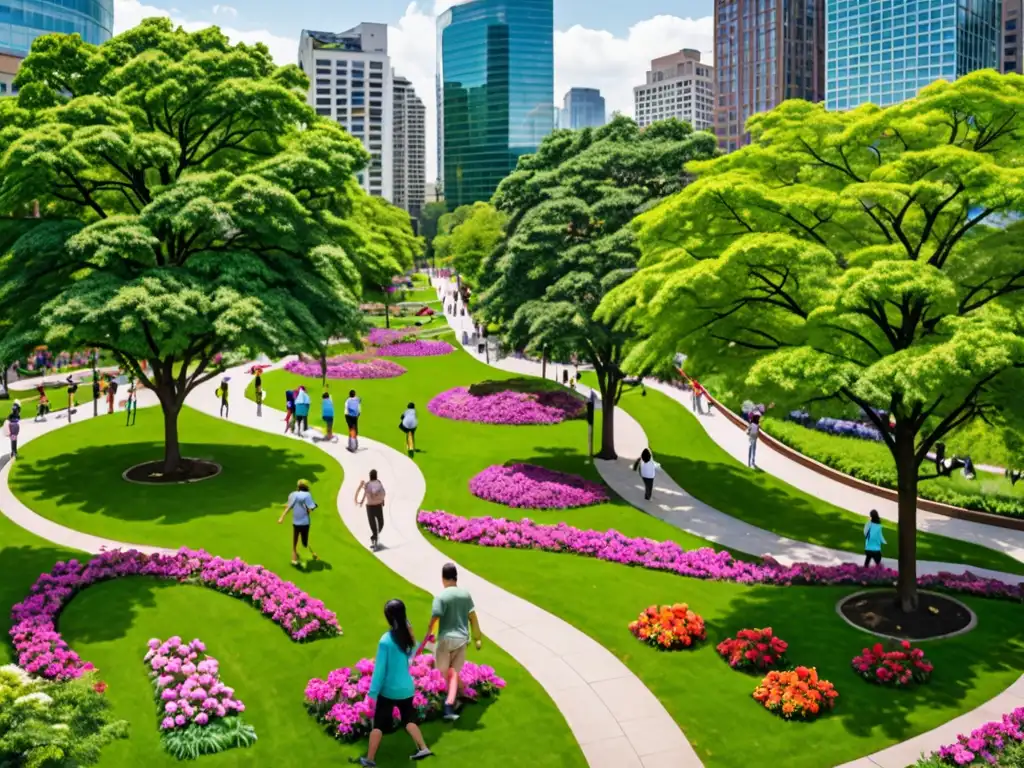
x=708 y=700
x=403 y=322
x=73 y=476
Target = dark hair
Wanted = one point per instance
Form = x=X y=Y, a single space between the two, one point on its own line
x=412 y=405
x=394 y=612
x=874 y=516
x=449 y=572
x=645 y=455
x=351 y=393
x=373 y=474
x=326 y=395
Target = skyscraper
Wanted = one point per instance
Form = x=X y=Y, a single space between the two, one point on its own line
x=495 y=91
x=23 y=21
x=677 y=86
x=410 y=148
x=582 y=108
x=766 y=51
x=1013 y=50
x=885 y=52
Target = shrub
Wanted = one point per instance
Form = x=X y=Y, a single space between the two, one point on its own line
x=796 y=694
x=532 y=487
x=901 y=666
x=340 y=702
x=669 y=628
x=754 y=649
x=999 y=742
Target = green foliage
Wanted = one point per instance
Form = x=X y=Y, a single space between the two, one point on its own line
x=430 y=214
x=217 y=736
x=468 y=236
x=52 y=725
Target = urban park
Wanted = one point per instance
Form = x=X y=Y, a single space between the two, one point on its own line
x=725 y=447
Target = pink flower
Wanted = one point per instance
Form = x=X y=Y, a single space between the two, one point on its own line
x=533 y=487
x=507 y=407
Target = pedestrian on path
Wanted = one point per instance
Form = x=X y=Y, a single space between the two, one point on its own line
x=302 y=405
x=289 y=410
x=300 y=504
x=43 y=407
x=648 y=468
x=408 y=423
x=111 y=393
x=353 y=407
x=392 y=687
x=753 y=430
x=72 y=389
x=131 y=405
x=327 y=412
x=222 y=393
x=452 y=614
x=14 y=427
x=258 y=384
x=873 y=540
x=373 y=496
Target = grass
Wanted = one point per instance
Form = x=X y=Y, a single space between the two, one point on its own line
x=73 y=476
x=402 y=322
x=710 y=702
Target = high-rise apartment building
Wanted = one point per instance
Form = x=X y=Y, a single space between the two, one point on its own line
x=766 y=51
x=409 y=143
x=495 y=92
x=679 y=86
x=1013 y=42
x=582 y=108
x=23 y=21
x=885 y=51
x=350 y=81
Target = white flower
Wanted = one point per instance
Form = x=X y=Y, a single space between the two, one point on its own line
x=18 y=672
x=39 y=696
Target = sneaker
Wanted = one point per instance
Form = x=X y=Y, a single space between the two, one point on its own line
x=449 y=713
x=364 y=761
x=421 y=754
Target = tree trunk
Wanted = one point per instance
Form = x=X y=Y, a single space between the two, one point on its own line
x=387 y=315
x=608 y=385
x=172 y=448
x=906 y=474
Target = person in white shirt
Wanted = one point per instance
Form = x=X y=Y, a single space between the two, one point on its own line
x=353 y=407
x=753 y=429
x=648 y=469
x=408 y=424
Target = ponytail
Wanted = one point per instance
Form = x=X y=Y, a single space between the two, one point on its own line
x=401 y=634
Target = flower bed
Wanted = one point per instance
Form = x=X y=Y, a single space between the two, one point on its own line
x=418 y=348
x=340 y=702
x=379 y=337
x=43 y=652
x=669 y=628
x=703 y=563
x=754 y=649
x=532 y=487
x=987 y=745
x=200 y=715
x=507 y=407
x=348 y=367
x=900 y=667
x=796 y=694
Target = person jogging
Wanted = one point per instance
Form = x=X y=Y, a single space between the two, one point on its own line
x=373 y=496
x=454 y=616
x=353 y=408
x=300 y=504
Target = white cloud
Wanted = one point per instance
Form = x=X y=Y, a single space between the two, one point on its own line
x=225 y=10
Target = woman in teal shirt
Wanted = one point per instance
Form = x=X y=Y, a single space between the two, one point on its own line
x=392 y=687
x=873 y=540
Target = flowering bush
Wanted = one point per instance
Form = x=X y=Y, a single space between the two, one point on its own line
x=47 y=724
x=754 y=649
x=378 y=337
x=533 y=487
x=797 y=694
x=200 y=715
x=348 y=367
x=43 y=652
x=340 y=702
x=704 y=563
x=987 y=745
x=418 y=348
x=669 y=628
x=507 y=407
x=900 y=667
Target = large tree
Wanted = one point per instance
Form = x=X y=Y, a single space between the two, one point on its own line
x=208 y=205
x=865 y=257
x=569 y=241
x=468 y=236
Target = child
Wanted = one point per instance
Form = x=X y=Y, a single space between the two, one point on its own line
x=327 y=411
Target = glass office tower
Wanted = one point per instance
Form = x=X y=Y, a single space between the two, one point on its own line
x=885 y=51
x=495 y=92
x=22 y=21
x=583 y=108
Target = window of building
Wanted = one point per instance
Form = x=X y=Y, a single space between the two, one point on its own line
x=323 y=111
x=323 y=101
x=323 y=91
x=323 y=81
x=323 y=62
x=376 y=65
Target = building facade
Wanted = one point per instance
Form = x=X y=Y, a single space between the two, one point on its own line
x=409 y=147
x=495 y=92
x=885 y=51
x=23 y=21
x=766 y=51
x=1013 y=42
x=582 y=108
x=679 y=86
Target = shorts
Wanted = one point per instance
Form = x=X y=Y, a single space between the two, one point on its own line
x=329 y=421
x=450 y=654
x=300 y=532
x=383 y=715
x=352 y=421
x=406 y=429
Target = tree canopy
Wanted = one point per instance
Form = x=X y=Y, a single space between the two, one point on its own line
x=866 y=257
x=569 y=239
x=200 y=205
x=467 y=236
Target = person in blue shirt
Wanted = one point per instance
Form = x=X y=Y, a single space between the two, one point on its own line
x=327 y=411
x=302 y=403
x=873 y=540
x=300 y=504
x=392 y=687
x=353 y=407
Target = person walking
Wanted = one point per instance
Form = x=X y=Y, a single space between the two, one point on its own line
x=131 y=404
x=111 y=393
x=408 y=423
x=648 y=468
x=327 y=412
x=453 y=615
x=258 y=385
x=43 y=407
x=874 y=538
x=289 y=410
x=353 y=408
x=14 y=427
x=300 y=504
x=373 y=496
x=753 y=430
x=302 y=404
x=392 y=687
x=222 y=393
x=72 y=389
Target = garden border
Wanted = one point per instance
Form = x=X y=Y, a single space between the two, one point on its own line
x=970 y=626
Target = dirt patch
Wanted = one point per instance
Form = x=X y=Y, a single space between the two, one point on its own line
x=189 y=471
x=879 y=612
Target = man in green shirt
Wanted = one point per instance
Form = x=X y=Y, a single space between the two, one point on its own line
x=453 y=614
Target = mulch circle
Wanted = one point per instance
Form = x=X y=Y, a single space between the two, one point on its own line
x=190 y=471
x=878 y=611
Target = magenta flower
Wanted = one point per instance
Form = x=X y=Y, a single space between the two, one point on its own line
x=348 y=367
x=507 y=407
x=418 y=348
x=532 y=487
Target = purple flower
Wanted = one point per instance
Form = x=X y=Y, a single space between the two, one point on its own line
x=348 y=367
x=417 y=348
x=533 y=487
x=507 y=407
x=984 y=744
